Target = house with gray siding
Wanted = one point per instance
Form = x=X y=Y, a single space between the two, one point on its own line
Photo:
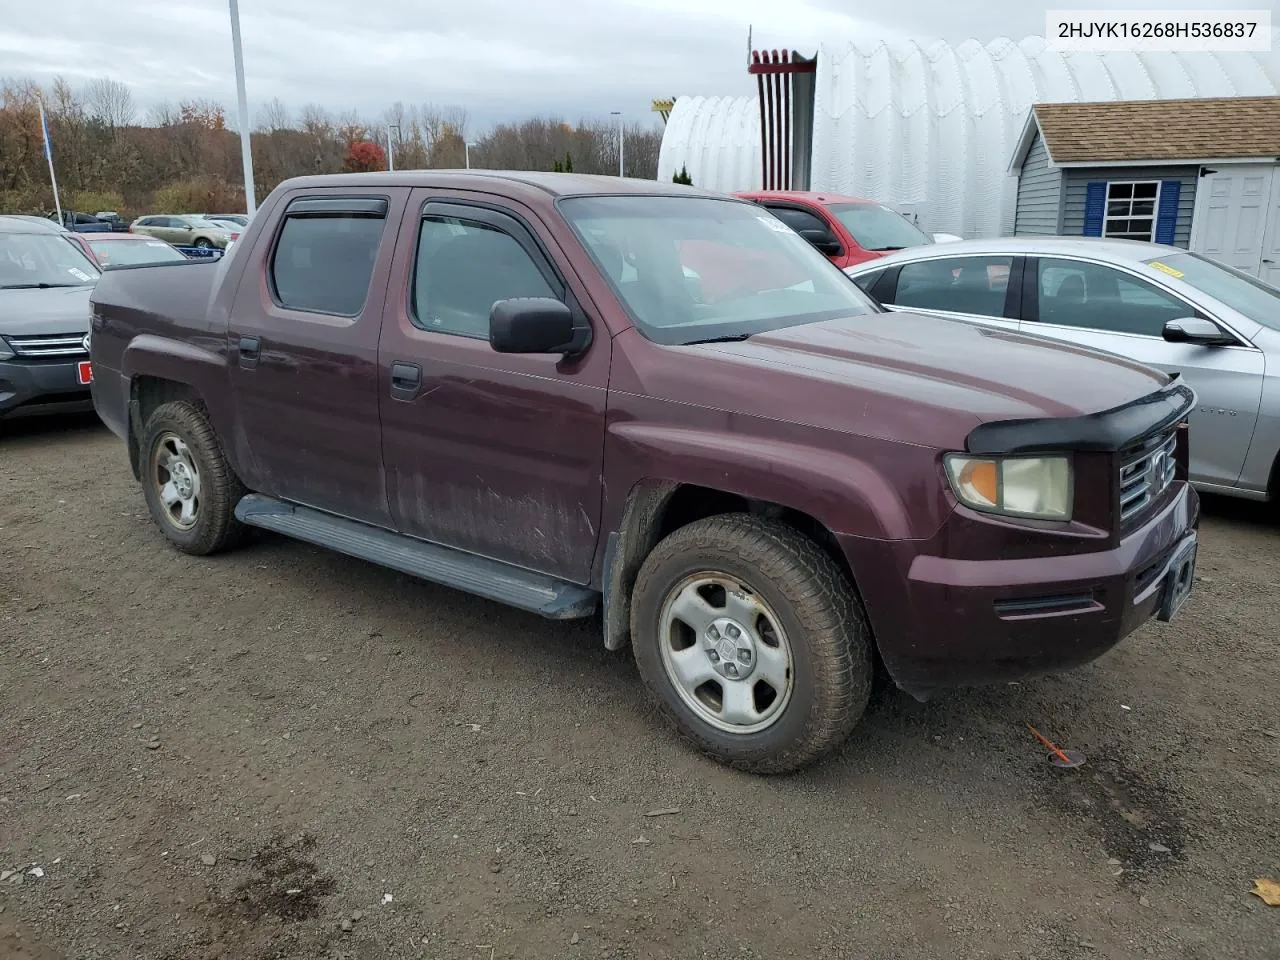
x=1201 y=174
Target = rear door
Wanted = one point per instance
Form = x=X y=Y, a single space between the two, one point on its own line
x=1101 y=306
x=496 y=454
x=303 y=344
x=982 y=289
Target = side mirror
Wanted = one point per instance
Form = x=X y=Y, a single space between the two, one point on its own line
x=822 y=240
x=1197 y=330
x=535 y=325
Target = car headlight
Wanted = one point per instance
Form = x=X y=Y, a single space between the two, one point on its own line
x=1037 y=487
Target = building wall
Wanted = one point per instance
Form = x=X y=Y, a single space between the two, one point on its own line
x=1076 y=184
x=1039 y=206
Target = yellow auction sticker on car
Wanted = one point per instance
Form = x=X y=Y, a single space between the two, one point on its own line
x=1165 y=268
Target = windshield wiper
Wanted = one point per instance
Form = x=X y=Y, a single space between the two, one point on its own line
x=39 y=286
x=728 y=338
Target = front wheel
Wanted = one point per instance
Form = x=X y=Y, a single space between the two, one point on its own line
x=752 y=642
x=190 y=488
x=203 y=243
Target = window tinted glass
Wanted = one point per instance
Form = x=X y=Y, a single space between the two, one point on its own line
x=1099 y=297
x=695 y=268
x=868 y=280
x=1258 y=301
x=324 y=263
x=799 y=220
x=878 y=228
x=973 y=285
x=463 y=269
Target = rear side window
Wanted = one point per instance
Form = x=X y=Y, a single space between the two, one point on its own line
x=324 y=258
x=464 y=268
x=974 y=285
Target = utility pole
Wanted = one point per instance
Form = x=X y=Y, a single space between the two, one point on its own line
x=621 y=143
x=391 y=147
x=246 y=150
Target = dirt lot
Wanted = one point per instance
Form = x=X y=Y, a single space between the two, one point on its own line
x=241 y=757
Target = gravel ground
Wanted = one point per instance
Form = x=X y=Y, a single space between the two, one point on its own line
x=286 y=753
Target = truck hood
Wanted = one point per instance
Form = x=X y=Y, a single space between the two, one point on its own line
x=33 y=312
x=915 y=378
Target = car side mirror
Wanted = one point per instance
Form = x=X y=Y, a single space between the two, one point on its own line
x=1196 y=330
x=822 y=240
x=536 y=325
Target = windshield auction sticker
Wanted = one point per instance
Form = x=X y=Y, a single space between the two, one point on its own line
x=1142 y=31
x=1165 y=268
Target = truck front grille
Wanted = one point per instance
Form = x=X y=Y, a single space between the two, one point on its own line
x=1146 y=472
x=59 y=346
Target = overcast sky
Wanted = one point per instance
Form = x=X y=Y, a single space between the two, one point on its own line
x=501 y=59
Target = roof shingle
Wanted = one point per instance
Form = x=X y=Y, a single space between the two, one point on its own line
x=1161 y=130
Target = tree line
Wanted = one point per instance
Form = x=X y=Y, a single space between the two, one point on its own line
x=109 y=154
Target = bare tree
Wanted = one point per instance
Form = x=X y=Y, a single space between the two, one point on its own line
x=163 y=115
x=110 y=102
x=274 y=116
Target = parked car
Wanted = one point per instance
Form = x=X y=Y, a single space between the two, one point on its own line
x=45 y=284
x=846 y=230
x=186 y=231
x=117 y=223
x=130 y=249
x=45 y=225
x=1163 y=306
x=81 y=222
x=507 y=383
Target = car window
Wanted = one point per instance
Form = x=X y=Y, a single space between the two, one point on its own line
x=867 y=280
x=1074 y=293
x=115 y=253
x=1255 y=299
x=799 y=220
x=877 y=227
x=463 y=269
x=324 y=263
x=974 y=285
x=30 y=260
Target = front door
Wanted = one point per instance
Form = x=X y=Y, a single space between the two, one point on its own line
x=1099 y=306
x=1233 y=206
x=496 y=454
x=303 y=346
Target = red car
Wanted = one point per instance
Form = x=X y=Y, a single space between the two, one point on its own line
x=846 y=230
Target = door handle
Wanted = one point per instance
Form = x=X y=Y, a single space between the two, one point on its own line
x=406 y=380
x=1265 y=260
x=250 y=352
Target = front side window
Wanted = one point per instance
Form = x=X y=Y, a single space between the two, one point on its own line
x=877 y=227
x=42 y=260
x=973 y=285
x=323 y=263
x=692 y=269
x=1074 y=293
x=1131 y=210
x=464 y=267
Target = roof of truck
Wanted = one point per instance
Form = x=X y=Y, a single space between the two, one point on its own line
x=552 y=184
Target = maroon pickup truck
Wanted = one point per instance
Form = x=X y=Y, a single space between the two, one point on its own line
x=525 y=386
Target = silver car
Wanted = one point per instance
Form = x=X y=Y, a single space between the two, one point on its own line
x=1159 y=305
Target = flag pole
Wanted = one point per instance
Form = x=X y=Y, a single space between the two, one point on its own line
x=48 y=152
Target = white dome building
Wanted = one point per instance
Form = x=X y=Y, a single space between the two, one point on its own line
x=930 y=128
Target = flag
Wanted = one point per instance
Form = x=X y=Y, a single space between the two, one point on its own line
x=44 y=132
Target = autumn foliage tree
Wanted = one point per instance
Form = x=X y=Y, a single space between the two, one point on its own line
x=364 y=156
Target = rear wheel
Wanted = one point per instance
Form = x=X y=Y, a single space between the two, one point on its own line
x=752 y=642
x=190 y=488
x=203 y=243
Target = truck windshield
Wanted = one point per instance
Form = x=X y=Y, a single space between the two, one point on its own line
x=879 y=228
x=34 y=260
x=1258 y=301
x=696 y=269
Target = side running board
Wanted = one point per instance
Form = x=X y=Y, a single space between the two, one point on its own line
x=515 y=586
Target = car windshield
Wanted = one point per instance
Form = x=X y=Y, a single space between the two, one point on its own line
x=1258 y=301
x=876 y=227
x=695 y=269
x=30 y=260
x=133 y=252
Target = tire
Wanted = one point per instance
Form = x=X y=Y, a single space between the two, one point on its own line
x=202 y=522
x=798 y=608
x=203 y=243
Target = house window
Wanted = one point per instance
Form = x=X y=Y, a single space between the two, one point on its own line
x=1131 y=210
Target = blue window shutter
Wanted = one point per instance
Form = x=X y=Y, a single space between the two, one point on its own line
x=1095 y=204
x=1167 y=211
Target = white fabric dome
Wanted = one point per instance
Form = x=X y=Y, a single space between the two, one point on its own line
x=932 y=126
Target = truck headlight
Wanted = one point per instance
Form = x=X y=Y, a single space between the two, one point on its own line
x=1013 y=486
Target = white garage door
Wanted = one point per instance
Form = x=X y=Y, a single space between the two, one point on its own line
x=1236 y=220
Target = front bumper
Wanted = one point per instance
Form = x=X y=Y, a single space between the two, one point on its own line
x=942 y=623
x=33 y=388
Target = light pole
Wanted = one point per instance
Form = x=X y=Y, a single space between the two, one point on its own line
x=246 y=150
x=466 y=150
x=621 y=142
x=391 y=147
